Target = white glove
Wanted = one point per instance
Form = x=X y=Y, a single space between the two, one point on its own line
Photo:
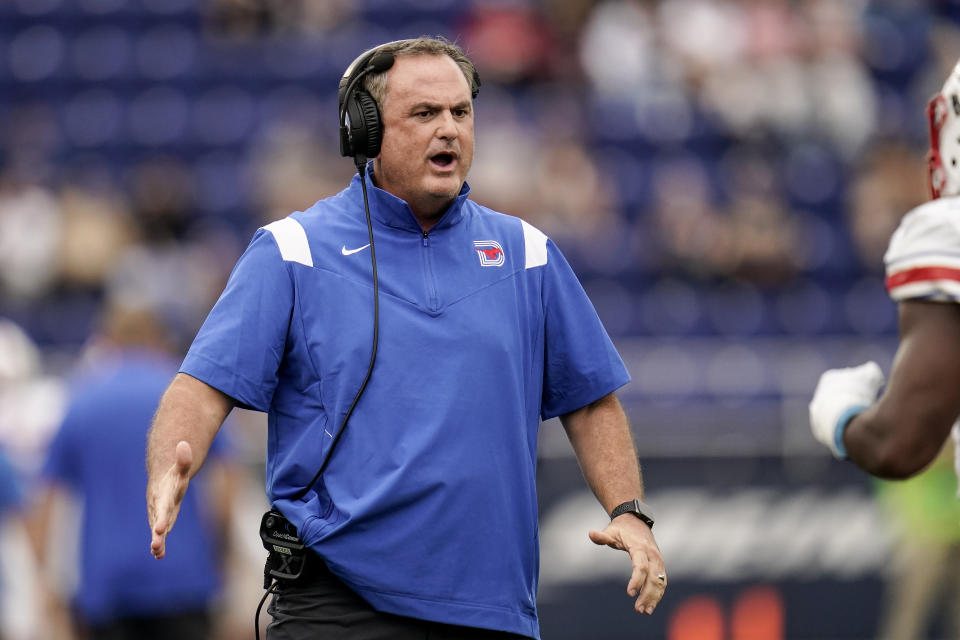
x=840 y=395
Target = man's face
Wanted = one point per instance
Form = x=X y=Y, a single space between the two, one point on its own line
x=427 y=144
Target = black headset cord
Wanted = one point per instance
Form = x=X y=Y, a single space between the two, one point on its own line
x=373 y=348
x=373 y=357
x=256 y=617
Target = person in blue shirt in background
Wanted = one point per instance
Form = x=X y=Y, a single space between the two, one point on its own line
x=444 y=332
x=96 y=456
x=11 y=524
x=11 y=492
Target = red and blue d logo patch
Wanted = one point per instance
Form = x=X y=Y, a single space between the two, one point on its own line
x=490 y=252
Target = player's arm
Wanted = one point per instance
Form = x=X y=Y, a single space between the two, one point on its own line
x=603 y=444
x=905 y=430
x=900 y=433
x=187 y=420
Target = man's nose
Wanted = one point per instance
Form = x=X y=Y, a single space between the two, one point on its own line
x=446 y=126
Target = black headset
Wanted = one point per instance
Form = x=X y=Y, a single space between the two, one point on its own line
x=361 y=129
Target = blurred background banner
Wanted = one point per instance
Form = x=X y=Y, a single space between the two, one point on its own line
x=724 y=176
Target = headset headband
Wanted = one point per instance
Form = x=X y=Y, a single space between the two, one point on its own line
x=360 y=62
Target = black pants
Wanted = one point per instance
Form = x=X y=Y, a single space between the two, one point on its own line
x=319 y=606
x=184 y=626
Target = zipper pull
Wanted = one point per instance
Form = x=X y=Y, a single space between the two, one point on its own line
x=426 y=239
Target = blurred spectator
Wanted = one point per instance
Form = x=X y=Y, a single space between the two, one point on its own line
x=923 y=586
x=30 y=233
x=618 y=48
x=15 y=622
x=177 y=280
x=238 y=19
x=573 y=197
x=31 y=401
x=503 y=169
x=842 y=99
x=577 y=205
x=163 y=197
x=96 y=228
x=766 y=249
x=752 y=238
x=690 y=232
x=789 y=69
x=293 y=168
x=97 y=457
x=891 y=180
x=241 y=20
x=511 y=42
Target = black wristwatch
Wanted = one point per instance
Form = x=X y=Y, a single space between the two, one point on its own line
x=637 y=508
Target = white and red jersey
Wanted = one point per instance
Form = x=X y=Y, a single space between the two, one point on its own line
x=923 y=259
x=923 y=263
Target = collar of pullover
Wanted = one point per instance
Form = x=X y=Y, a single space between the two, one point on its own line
x=395 y=212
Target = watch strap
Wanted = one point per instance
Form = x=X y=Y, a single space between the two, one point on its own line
x=637 y=508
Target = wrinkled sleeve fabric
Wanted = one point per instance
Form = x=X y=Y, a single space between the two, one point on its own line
x=239 y=348
x=581 y=363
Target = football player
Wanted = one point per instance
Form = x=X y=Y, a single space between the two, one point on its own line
x=896 y=433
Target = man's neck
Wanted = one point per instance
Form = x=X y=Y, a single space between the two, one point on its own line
x=427 y=212
x=427 y=218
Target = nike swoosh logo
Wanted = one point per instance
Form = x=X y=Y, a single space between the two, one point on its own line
x=348 y=252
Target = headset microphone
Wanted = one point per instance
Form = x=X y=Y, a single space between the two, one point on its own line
x=381 y=62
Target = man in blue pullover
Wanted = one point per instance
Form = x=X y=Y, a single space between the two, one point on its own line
x=405 y=343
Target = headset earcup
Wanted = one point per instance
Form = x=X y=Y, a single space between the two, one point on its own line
x=371 y=120
x=365 y=130
x=356 y=131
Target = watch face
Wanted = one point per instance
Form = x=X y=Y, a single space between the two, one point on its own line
x=645 y=518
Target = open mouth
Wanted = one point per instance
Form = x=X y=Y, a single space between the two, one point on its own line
x=443 y=160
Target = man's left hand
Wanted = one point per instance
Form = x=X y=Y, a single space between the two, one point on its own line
x=649 y=579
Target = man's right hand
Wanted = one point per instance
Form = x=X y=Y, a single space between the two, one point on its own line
x=165 y=496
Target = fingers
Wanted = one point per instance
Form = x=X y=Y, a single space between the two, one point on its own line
x=637 y=580
x=871 y=373
x=158 y=545
x=603 y=538
x=654 y=583
x=163 y=503
x=648 y=582
x=158 y=529
x=648 y=579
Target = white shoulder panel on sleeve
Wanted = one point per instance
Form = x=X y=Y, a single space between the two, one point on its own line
x=923 y=260
x=535 y=245
x=292 y=240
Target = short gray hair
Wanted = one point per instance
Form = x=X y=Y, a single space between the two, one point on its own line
x=376 y=83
